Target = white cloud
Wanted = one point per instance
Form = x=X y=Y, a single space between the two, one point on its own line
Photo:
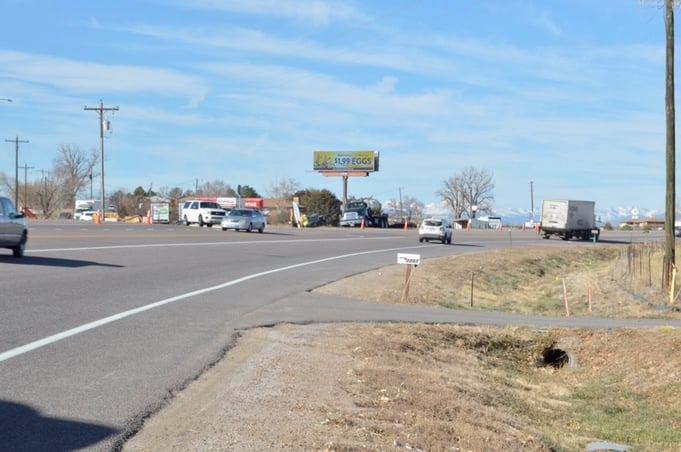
x=317 y=13
x=88 y=77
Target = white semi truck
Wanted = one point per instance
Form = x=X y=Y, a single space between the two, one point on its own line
x=568 y=219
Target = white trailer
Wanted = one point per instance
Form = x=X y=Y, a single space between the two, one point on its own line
x=568 y=219
x=160 y=212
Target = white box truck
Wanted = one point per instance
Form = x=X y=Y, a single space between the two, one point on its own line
x=568 y=219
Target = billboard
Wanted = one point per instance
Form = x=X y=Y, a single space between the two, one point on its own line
x=345 y=161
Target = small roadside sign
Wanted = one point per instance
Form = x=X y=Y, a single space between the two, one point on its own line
x=410 y=259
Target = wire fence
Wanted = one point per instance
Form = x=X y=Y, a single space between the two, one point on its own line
x=638 y=269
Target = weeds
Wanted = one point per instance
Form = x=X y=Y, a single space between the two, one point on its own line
x=488 y=389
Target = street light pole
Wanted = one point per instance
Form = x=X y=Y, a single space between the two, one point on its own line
x=101 y=109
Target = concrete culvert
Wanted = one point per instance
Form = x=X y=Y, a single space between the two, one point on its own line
x=555 y=357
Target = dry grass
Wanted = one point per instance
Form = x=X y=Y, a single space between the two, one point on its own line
x=473 y=388
x=479 y=389
x=525 y=280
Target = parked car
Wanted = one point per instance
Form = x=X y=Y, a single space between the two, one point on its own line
x=13 y=228
x=87 y=215
x=245 y=220
x=435 y=229
x=315 y=220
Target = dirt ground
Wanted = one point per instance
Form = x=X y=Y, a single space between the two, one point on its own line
x=438 y=387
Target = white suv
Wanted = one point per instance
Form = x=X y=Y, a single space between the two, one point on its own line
x=435 y=229
x=202 y=213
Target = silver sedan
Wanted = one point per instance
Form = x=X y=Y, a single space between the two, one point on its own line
x=244 y=220
x=13 y=228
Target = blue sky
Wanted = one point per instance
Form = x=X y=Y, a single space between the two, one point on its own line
x=568 y=94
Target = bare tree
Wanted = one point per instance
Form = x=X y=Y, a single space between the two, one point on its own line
x=216 y=188
x=282 y=192
x=72 y=170
x=470 y=191
x=7 y=183
x=46 y=193
x=283 y=189
x=412 y=208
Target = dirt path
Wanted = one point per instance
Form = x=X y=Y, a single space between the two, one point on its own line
x=274 y=391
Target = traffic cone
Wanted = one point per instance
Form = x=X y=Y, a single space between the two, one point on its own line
x=406 y=225
x=361 y=225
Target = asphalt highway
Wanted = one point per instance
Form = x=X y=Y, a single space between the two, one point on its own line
x=101 y=323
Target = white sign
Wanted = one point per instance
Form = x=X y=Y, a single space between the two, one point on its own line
x=411 y=259
x=296 y=213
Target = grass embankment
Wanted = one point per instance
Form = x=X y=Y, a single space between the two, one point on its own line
x=473 y=388
x=466 y=388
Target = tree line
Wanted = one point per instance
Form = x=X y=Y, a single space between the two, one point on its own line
x=73 y=170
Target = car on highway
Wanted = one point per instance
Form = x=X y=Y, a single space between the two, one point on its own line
x=13 y=228
x=438 y=229
x=203 y=213
x=87 y=215
x=243 y=219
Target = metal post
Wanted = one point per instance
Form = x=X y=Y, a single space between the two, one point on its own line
x=345 y=191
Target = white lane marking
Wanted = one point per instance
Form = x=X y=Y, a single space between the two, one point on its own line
x=170 y=245
x=106 y=320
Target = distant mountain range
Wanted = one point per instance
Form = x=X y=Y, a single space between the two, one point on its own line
x=518 y=216
x=614 y=215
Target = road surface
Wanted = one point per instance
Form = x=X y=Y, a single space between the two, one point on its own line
x=101 y=323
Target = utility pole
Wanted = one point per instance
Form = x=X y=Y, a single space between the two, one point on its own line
x=16 y=141
x=101 y=109
x=26 y=168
